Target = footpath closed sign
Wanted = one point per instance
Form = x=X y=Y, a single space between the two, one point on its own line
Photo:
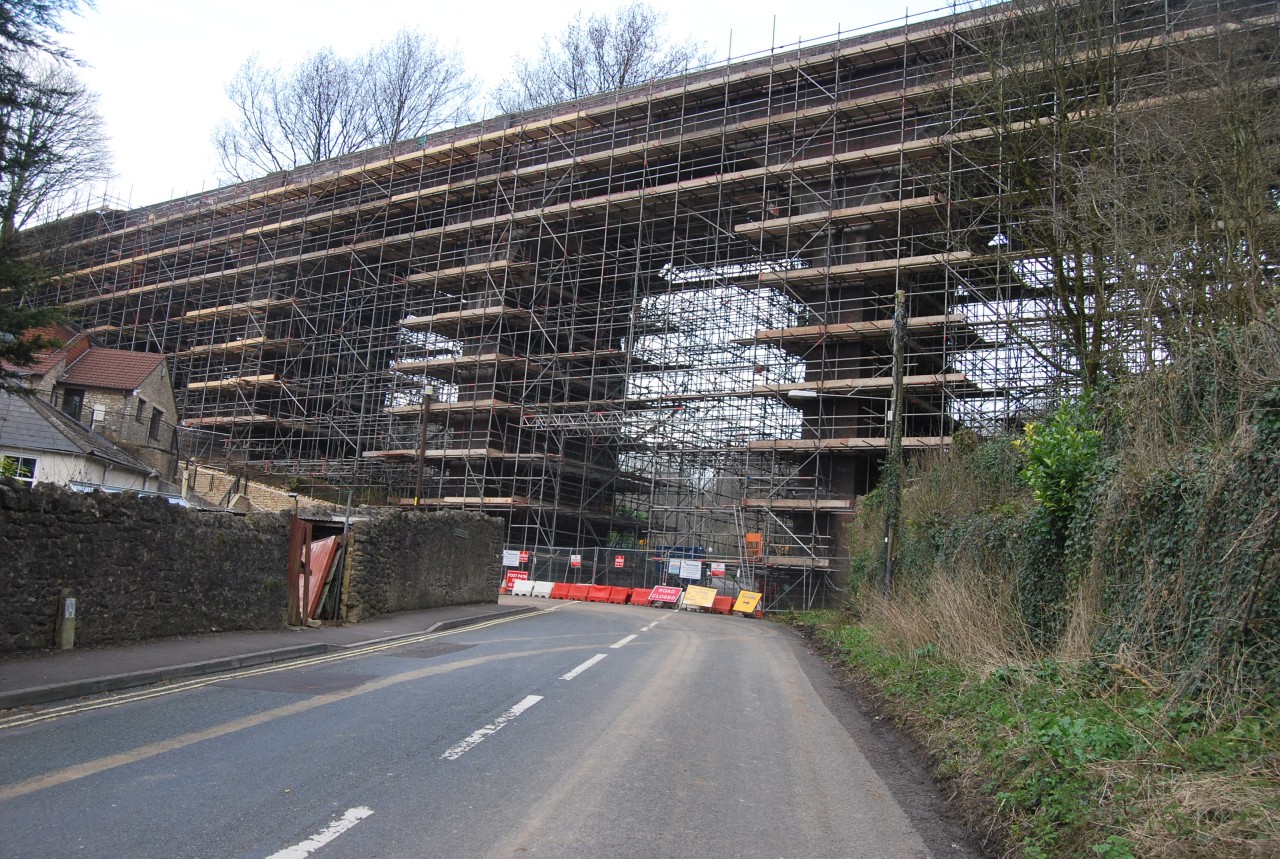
x=665 y=593
x=514 y=576
x=700 y=597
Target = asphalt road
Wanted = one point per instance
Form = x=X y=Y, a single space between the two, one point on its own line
x=583 y=731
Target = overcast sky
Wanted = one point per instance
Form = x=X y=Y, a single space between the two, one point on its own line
x=160 y=66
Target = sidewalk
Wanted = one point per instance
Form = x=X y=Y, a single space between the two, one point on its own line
x=39 y=677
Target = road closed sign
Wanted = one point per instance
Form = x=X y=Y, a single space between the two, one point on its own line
x=665 y=593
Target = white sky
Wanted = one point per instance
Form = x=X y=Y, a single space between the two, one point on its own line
x=160 y=66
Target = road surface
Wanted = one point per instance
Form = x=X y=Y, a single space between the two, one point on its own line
x=585 y=730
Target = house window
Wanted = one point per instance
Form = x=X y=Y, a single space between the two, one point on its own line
x=73 y=402
x=156 y=417
x=142 y=405
x=21 y=468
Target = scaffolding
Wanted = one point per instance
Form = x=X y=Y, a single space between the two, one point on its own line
x=657 y=319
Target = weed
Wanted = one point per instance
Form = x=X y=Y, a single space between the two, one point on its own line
x=1074 y=757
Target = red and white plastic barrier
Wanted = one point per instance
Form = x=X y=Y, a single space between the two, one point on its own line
x=747 y=603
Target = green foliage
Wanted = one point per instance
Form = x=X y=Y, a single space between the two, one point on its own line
x=1045 y=583
x=1183 y=534
x=1060 y=454
x=1269 y=416
x=1074 y=758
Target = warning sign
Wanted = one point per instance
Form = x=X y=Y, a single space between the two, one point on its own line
x=717 y=568
x=700 y=597
x=575 y=560
x=747 y=602
x=514 y=576
x=619 y=561
x=665 y=593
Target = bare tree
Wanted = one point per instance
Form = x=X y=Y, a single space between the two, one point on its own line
x=1207 y=223
x=54 y=143
x=1098 y=168
x=329 y=106
x=415 y=87
x=598 y=54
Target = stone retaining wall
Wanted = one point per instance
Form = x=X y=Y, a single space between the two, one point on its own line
x=411 y=559
x=141 y=567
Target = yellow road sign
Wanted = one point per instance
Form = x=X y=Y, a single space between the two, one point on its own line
x=700 y=597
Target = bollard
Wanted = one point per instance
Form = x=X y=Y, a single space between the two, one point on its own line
x=65 y=627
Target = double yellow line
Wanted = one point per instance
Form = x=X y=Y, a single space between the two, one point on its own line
x=116 y=699
x=93 y=767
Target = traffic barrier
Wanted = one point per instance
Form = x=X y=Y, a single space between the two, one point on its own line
x=625 y=596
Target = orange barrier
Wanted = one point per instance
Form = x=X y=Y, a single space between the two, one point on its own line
x=633 y=596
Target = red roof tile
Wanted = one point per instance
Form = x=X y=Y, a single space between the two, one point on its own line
x=118 y=369
x=71 y=345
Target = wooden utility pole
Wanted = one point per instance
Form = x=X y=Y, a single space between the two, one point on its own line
x=893 y=465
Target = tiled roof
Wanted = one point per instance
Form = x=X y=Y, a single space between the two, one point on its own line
x=30 y=423
x=117 y=369
x=73 y=344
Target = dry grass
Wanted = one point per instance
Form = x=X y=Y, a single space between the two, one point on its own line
x=1205 y=815
x=968 y=618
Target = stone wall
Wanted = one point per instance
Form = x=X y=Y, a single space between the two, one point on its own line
x=142 y=568
x=211 y=485
x=139 y=567
x=412 y=559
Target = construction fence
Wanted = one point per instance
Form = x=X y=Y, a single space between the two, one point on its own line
x=784 y=587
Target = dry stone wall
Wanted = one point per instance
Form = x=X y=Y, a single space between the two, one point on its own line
x=140 y=567
x=412 y=559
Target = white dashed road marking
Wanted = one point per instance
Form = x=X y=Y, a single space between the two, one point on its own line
x=324 y=836
x=584 y=666
x=625 y=641
x=490 y=729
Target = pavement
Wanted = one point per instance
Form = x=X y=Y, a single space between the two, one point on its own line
x=40 y=677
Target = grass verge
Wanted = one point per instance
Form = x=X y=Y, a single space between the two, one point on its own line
x=1076 y=759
